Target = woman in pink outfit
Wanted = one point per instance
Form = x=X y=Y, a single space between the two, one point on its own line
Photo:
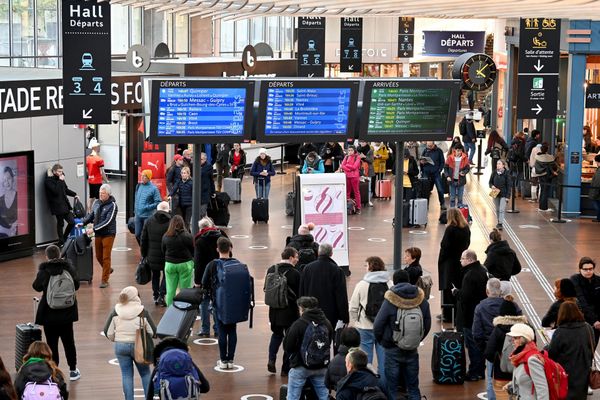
x=351 y=167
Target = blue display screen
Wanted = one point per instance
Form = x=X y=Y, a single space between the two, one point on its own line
x=307 y=111
x=201 y=111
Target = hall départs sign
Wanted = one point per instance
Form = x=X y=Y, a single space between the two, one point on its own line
x=23 y=99
x=453 y=43
x=311 y=46
x=539 y=53
x=86 y=62
x=351 y=44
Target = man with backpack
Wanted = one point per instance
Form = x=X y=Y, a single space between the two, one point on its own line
x=403 y=321
x=231 y=289
x=57 y=310
x=361 y=382
x=308 y=343
x=282 y=285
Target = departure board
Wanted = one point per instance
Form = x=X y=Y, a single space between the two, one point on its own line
x=193 y=109
x=293 y=111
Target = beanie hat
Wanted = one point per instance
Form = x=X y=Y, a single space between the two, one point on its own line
x=147 y=173
x=508 y=307
x=177 y=157
x=567 y=289
x=262 y=150
x=305 y=229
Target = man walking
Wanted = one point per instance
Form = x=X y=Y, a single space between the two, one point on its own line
x=432 y=169
x=147 y=198
x=56 y=194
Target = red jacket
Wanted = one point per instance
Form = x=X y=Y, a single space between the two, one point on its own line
x=351 y=166
x=464 y=167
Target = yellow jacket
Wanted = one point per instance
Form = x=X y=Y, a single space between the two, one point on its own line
x=379 y=162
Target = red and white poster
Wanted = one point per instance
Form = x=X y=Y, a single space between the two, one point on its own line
x=324 y=204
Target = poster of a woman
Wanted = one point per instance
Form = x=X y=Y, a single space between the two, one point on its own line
x=8 y=200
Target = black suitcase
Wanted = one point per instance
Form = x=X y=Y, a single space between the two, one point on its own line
x=290 y=202
x=218 y=211
x=78 y=250
x=423 y=188
x=405 y=214
x=364 y=187
x=448 y=360
x=260 y=210
x=177 y=321
x=25 y=335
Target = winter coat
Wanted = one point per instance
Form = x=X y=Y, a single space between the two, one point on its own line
x=223 y=150
x=285 y=317
x=304 y=149
x=354 y=383
x=125 y=319
x=571 y=347
x=207 y=183
x=147 y=198
x=498 y=143
x=317 y=166
x=470 y=294
x=368 y=159
x=412 y=171
x=351 y=166
x=301 y=242
x=336 y=369
x=493 y=348
x=455 y=241
x=46 y=315
x=594 y=193
x=501 y=181
x=415 y=271
x=483 y=323
x=463 y=169
x=405 y=296
x=292 y=342
x=174 y=175
x=56 y=194
x=588 y=296
x=437 y=155
x=104 y=217
x=326 y=281
x=549 y=320
x=38 y=370
x=237 y=170
x=178 y=248
x=544 y=165
x=185 y=190
x=205 y=250
x=536 y=150
x=532 y=386
x=334 y=153
x=502 y=261
x=258 y=166
x=151 y=240
x=518 y=165
x=358 y=301
x=529 y=146
x=379 y=164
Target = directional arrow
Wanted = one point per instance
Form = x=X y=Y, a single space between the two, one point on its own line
x=405 y=30
x=351 y=67
x=405 y=54
x=539 y=66
x=538 y=109
x=311 y=75
x=87 y=114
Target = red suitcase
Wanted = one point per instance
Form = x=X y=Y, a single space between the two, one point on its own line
x=383 y=189
x=465 y=212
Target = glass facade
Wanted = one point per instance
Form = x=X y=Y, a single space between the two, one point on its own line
x=276 y=31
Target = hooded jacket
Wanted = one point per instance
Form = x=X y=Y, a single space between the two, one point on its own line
x=285 y=317
x=292 y=341
x=501 y=261
x=317 y=165
x=405 y=296
x=472 y=291
x=38 y=370
x=147 y=198
x=352 y=384
x=544 y=165
x=46 y=315
x=358 y=301
x=336 y=370
x=151 y=241
x=56 y=194
x=501 y=181
x=124 y=320
x=379 y=164
x=205 y=250
x=351 y=165
x=483 y=322
x=300 y=242
x=104 y=217
x=493 y=348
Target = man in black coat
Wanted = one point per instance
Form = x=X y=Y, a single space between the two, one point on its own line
x=282 y=318
x=326 y=281
x=587 y=287
x=56 y=194
x=151 y=248
x=472 y=291
x=57 y=323
x=360 y=378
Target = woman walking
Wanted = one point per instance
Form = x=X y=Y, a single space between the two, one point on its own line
x=178 y=248
x=38 y=367
x=500 y=183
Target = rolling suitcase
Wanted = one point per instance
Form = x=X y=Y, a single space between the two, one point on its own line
x=464 y=209
x=364 y=187
x=25 y=335
x=260 y=210
x=218 y=209
x=78 y=250
x=448 y=361
x=290 y=202
x=177 y=321
x=418 y=212
x=405 y=214
x=383 y=188
x=233 y=187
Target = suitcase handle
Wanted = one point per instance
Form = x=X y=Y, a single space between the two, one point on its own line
x=453 y=319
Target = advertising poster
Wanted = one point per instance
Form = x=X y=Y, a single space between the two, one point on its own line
x=13 y=197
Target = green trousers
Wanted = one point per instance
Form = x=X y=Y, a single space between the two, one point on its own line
x=178 y=275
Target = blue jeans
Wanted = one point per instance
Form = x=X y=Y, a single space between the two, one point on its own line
x=262 y=189
x=489 y=376
x=139 y=225
x=476 y=360
x=456 y=194
x=367 y=341
x=227 y=340
x=470 y=149
x=125 y=356
x=297 y=378
x=398 y=361
x=205 y=312
x=437 y=181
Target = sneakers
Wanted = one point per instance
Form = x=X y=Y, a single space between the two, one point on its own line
x=499 y=227
x=370 y=204
x=103 y=285
x=222 y=364
x=271 y=367
x=229 y=364
x=358 y=212
x=204 y=334
x=74 y=375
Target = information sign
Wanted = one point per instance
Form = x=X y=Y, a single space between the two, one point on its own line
x=406 y=37
x=86 y=62
x=311 y=46
x=351 y=45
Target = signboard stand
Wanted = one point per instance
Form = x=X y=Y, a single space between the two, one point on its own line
x=351 y=45
x=311 y=46
x=398 y=212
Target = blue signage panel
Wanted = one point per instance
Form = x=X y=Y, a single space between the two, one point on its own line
x=453 y=43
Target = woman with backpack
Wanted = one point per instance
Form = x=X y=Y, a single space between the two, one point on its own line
x=7 y=390
x=501 y=261
x=351 y=167
x=572 y=347
x=304 y=242
x=178 y=248
x=500 y=183
x=545 y=169
x=125 y=319
x=57 y=310
x=496 y=148
x=40 y=373
x=364 y=305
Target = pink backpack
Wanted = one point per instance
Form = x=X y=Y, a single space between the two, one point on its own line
x=47 y=390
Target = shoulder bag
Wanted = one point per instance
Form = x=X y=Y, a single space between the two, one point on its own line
x=594 y=373
x=144 y=346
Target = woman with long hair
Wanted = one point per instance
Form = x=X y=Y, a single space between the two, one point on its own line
x=496 y=148
x=262 y=170
x=237 y=160
x=351 y=167
x=501 y=261
x=178 y=248
x=500 y=183
x=184 y=188
x=564 y=290
x=7 y=390
x=38 y=367
x=457 y=239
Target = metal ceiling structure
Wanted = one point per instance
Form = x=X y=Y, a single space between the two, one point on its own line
x=241 y=9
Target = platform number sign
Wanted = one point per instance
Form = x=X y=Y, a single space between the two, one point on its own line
x=86 y=62
x=351 y=44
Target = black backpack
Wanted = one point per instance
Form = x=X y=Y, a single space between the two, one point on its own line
x=371 y=393
x=315 y=346
x=462 y=127
x=375 y=299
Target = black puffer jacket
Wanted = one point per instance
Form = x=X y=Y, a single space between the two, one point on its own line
x=38 y=371
x=293 y=339
x=285 y=317
x=493 y=348
x=501 y=181
x=104 y=217
x=205 y=250
x=336 y=369
x=151 y=243
x=302 y=242
x=502 y=262
x=56 y=194
x=455 y=241
x=178 y=248
x=588 y=296
x=46 y=315
x=353 y=384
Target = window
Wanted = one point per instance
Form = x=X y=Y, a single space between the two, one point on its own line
x=241 y=35
x=227 y=37
x=257 y=29
x=4 y=31
x=47 y=33
x=287 y=34
x=136 y=25
x=273 y=33
x=170 y=32
x=23 y=42
x=119 y=29
x=181 y=34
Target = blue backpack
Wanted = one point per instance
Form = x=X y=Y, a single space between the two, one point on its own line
x=315 y=346
x=234 y=294
x=176 y=377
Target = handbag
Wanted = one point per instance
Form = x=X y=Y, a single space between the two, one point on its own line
x=144 y=346
x=494 y=193
x=143 y=274
x=78 y=209
x=594 y=381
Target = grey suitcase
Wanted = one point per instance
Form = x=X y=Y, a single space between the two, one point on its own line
x=177 y=321
x=233 y=187
x=417 y=214
x=25 y=335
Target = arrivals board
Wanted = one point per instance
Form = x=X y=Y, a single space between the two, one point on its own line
x=409 y=110
x=297 y=111
x=201 y=111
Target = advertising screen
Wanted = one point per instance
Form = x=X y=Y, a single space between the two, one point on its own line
x=409 y=110
x=196 y=111
x=299 y=111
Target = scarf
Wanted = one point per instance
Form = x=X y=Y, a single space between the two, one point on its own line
x=522 y=353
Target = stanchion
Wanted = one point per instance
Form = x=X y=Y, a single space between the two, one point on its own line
x=282 y=172
x=479 y=167
x=513 y=210
x=559 y=219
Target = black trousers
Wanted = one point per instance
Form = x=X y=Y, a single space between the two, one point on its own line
x=64 y=331
x=60 y=224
